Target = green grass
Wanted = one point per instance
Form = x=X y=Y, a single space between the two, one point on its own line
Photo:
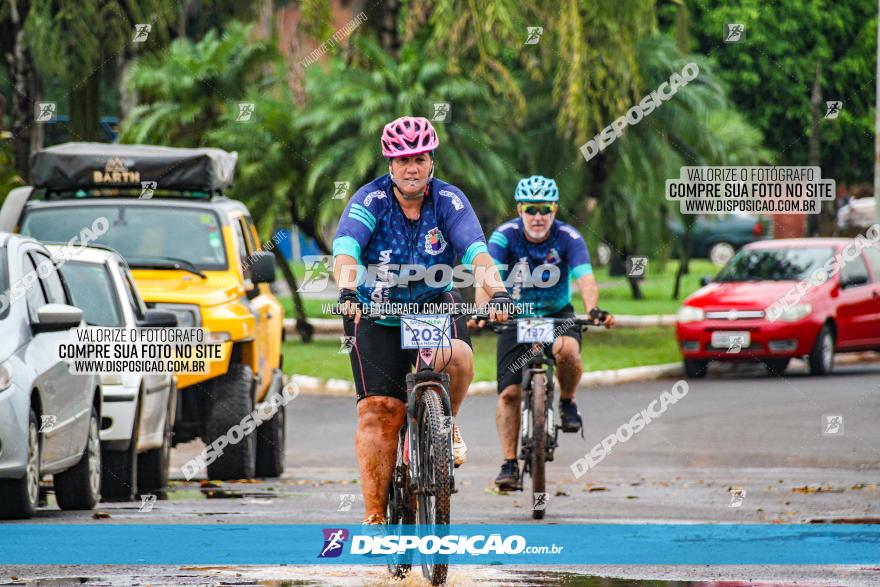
x=614 y=293
x=602 y=349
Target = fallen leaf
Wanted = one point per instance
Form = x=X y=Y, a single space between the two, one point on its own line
x=632 y=497
x=561 y=494
x=206 y=483
x=868 y=486
x=100 y=515
x=813 y=489
x=593 y=489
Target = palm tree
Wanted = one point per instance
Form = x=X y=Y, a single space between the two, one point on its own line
x=183 y=90
x=348 y=106
x=696 y=127
x=190 y=97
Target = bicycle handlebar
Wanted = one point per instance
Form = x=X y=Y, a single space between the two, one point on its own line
x=366 y=311
x=597 y=318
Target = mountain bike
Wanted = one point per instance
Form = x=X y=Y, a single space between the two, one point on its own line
x=422 y=481
x=539 y=431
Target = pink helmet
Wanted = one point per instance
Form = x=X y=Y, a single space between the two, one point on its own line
x=408 y=135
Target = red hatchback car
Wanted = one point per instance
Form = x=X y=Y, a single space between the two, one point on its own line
x=785 y=298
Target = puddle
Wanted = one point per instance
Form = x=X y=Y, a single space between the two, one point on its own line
x=217 y=493
x=49 y=581
x=560 y=579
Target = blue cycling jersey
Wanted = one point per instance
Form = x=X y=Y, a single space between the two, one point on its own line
x=518 y=258
x=374 y=230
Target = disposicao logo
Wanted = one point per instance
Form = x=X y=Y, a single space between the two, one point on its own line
x=334 y=540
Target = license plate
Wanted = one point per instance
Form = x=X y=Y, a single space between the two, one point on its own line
x=420 y=332
x=729 y=338
x=534 y=330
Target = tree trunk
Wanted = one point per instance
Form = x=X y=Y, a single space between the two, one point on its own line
x=85 y=109
x=633 y=250
x=27 y=90
x=307 y=225
x=302 y=324
x=388 y=36
x=814 y=144
x=684 y=256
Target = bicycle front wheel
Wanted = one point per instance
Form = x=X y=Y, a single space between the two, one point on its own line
x=401 y=509
x=435 y=470
x=539 y=445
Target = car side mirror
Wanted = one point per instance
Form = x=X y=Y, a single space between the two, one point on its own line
x=158 y=319
x=705 y=280
x=853 y=281
x=263 y=268
x=56 y=317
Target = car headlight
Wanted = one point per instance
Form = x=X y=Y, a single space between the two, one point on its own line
x=795 y=312
x=5 y=375
x=690 y=314
x=218 y=337
x=188 y=315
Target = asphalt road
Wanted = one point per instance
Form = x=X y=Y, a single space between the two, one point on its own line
x=735 y=429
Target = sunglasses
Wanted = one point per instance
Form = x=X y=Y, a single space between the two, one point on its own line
x=544 y=209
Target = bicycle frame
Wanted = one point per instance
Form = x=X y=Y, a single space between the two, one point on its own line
x=541 y=362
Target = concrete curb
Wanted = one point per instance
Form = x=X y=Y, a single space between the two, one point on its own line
x=333 y=326
x=341 y=387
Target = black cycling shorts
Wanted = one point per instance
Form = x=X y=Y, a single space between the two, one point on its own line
x=378 y=364
x=509 y=353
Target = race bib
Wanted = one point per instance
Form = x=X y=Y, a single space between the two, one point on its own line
x=431 y=331
x=532 y=330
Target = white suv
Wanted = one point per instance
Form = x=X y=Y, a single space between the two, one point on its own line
x=138 y=409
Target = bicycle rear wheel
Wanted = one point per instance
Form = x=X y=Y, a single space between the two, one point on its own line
x=539 y=445
x=401 y=509
x=434 y=438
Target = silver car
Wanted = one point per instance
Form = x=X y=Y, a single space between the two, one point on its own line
x=49 y=418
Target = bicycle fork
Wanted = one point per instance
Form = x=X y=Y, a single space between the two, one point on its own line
x=526 y=403
x=418 y=384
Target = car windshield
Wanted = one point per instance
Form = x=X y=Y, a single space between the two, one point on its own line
x=92 y=290
x=777 y=264
x=155 y=235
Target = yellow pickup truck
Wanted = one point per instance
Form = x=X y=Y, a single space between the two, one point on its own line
x=192 y=251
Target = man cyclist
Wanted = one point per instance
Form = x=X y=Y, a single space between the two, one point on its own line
x=533 y=239
x=405 y=217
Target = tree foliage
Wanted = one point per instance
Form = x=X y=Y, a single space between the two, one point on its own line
x=770 y=74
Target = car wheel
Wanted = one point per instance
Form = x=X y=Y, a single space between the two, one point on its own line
x=19 y=498
x=153 y=465
x=776 y=366
x=230 y=399
x=695 y=368
x=79 y=488
x=721 y=253
x=119 y=471
x=270 y=443
x=821 y=358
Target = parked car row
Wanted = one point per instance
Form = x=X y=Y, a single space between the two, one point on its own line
x=776 y=300
x=183 y=255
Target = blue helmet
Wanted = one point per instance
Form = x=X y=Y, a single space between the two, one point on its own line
x=536 y=189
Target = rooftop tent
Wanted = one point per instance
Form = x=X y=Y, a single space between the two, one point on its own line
x=94 y=165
